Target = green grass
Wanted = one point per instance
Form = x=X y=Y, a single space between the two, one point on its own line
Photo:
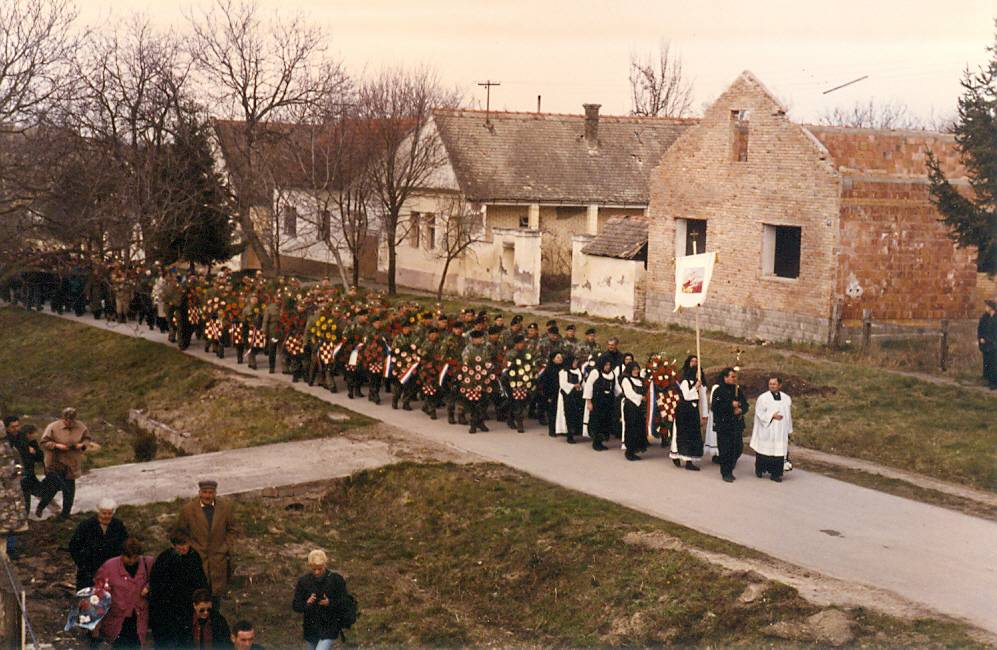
x=50 y=363
x=447 y=555
x=938 y=430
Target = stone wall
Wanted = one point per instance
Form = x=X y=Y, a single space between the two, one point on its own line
x=896 y=257
x=786 y=180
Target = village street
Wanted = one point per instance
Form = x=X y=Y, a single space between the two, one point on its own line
x=935 y=557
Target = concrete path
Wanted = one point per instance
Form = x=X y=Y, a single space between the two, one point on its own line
x=935 y=557
x=237 y=470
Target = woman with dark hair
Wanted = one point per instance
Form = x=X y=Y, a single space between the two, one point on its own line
x=687 y=438
x=127 y=579
x=600 y=393
x=632 y=417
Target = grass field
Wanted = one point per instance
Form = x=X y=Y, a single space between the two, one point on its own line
x=447 y=555
x=50 y=363
x=939 y=430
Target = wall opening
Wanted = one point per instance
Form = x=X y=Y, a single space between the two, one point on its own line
x=524 y=222
x=781 y=251
x=740 y=130
x=413 y=230
x=687 y=232
x=430 y=220
x=290 y=221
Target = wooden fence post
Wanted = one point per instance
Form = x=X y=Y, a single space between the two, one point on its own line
x=943 y=346
x=866 y=330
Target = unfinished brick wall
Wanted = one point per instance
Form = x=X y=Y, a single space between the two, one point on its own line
x=896 y=258
x=896 y=153
x=783 y=182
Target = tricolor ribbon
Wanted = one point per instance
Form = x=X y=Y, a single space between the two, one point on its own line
x=443 y=373
x=387 y=366
x=355 y=355
x=408 y=374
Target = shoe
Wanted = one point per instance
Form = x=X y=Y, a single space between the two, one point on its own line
x=760 y=474
x=777 y=479
x=519 y=426
x=511 y=424
x=691 y=467
x=432 y=414
x=551 y=434
x=406 y=406
x=394 y=404
x=473 y=429
x=728 y=479
x=571 y=439
x=482 y=427
x=450 y=418
x=716 y=460
x=598 y=446
x=461 y=419
x=631 y=456
x=678 y=463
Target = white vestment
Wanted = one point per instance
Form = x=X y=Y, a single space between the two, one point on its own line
x=771 y=437
x=710 y=441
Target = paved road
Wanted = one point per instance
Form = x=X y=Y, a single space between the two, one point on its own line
x=936 y=557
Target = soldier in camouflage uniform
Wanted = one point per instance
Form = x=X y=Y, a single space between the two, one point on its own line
x=430 y=351
x=570 y=342
x=515 y=329
x=475 y=409
x=405 y=340
x=270 y=321
x=375 y=338
x=496 y=354
x=453 y=349
x=516 y=410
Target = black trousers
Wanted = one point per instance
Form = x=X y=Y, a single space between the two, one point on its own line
x=54 y=484
x=730 y=445
x=30 y=487
x=990 y=367
x=774 y=465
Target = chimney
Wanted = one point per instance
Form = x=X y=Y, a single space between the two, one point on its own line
x=592 y=124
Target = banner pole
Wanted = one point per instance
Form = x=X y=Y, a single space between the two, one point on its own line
x=699 y=358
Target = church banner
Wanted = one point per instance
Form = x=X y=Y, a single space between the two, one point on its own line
x=692 y=279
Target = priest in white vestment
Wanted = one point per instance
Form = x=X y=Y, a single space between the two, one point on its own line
x=770 y=435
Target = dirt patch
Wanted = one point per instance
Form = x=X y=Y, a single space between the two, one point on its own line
x=755 y=381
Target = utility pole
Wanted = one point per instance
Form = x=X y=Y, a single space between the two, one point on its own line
x=488 y=98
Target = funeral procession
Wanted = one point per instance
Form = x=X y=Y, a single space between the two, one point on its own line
x=516 y=325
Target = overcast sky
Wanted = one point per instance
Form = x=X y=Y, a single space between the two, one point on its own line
x=575 y=51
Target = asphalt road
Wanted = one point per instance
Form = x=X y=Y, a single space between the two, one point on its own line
x=942 y=559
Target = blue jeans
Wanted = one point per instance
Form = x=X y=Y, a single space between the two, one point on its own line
x=323 y=644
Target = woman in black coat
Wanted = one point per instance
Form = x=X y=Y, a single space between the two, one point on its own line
x=176 y=574
x=687 y=437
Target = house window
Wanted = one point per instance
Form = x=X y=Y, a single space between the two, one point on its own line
x=324 y=223
x=781 y=251
x=413 y=229
x=430 y=220
x=687 y=233
x=739 y=127
x=524 y=222
x=290 y=221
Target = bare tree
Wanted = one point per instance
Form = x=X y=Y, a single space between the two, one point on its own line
x=462 y=228
x=259 y=70
x=658 y=86
x=396 y=107
x=871 y=115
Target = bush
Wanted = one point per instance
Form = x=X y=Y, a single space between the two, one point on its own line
x=144 y=444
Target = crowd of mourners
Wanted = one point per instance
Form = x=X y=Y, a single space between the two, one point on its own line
x=471 y=366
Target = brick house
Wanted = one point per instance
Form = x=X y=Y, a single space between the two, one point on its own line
x=811 y=224
x=536 y=179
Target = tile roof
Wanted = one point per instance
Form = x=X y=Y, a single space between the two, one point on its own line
x=544 y=157
x=621 y=237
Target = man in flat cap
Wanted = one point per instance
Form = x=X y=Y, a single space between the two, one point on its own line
x=63 y=442
x=210 y=522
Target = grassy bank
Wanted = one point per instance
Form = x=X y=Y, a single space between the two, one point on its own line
x=50 y=363
x=865 y=412
x=446 y=555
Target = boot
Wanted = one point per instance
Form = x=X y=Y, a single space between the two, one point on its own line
x=220 y=351
x=461 y=417
x=598 y=446
x=450 y=415
x=481 y=425
x=333 y=388
x=349 y=390
x=252 y=361
x=510 y=422
x=239 y=354
x=631 y=455
x=689 y=465
x=377 y=396
x=571 y=438
x=273 y=366
x=394 y=400
x=406 y=405
x=519 y=425
x=432 y=412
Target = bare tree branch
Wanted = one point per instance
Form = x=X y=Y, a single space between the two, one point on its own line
x=871 y=115
x=658 y=86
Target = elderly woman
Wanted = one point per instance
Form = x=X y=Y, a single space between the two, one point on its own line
x=320 y=595
x=127 y=578
x=96 y=541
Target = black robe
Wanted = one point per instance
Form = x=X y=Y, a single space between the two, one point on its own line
x=634 y=430
x=604 y=413
x=572 y=403
x=174 y=579
x=688 y=443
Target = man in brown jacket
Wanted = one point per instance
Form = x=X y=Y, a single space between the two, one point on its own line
x=63 y=443
x=210 y=522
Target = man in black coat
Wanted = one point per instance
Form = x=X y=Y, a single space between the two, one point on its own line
x=176 y=574
x=321 y=596
x=986 y=333
x=96 y=541
x=729 y=405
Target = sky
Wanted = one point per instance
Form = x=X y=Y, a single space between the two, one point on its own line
x=577 y=51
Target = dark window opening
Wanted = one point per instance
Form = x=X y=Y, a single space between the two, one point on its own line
x=524 y=222
x=740 y=127
x=430 y=220
x=290 y=221
x=413 y=229
x=787 y=251
x=695 y=232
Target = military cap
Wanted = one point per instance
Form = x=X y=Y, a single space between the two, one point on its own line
x=590 y=330
x=516 y=319
x=494 y=329
x=477 y=334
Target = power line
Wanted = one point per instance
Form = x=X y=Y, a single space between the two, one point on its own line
x=487 y=84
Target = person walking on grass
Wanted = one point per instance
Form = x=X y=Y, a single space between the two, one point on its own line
x=986 y=333
x=64 y=443
x=126 y=577
x=95 y=541
x=321 y=597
